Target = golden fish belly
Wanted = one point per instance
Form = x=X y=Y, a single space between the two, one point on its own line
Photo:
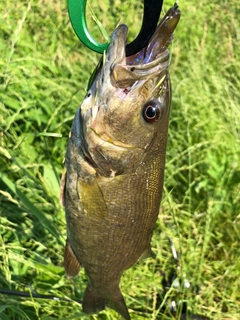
x=110 y=223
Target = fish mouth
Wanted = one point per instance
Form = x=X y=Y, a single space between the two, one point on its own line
x=160 y=40
x=150 y=60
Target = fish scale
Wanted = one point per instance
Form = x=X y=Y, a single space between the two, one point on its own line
x=115 y=163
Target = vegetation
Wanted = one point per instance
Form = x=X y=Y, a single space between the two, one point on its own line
x=44 y=72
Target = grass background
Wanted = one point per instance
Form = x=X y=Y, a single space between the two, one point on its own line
x=44 y=71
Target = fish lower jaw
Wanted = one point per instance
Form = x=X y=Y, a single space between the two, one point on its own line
x=104 y=140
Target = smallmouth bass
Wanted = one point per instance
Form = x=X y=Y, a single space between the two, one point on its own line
x=115 y=163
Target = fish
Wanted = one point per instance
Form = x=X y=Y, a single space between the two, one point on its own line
x=114 y=166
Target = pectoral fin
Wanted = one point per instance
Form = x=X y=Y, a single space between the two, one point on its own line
x=71 y=263
x=92 y=198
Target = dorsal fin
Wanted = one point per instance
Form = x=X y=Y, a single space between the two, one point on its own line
x=71 y=263
x=148 y=253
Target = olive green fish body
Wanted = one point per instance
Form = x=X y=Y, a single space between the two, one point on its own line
x=115 y=166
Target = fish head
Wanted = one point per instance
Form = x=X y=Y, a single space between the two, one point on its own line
x=126 y=109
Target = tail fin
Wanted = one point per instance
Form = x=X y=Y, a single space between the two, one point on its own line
x=119 y=305
x=93 y=303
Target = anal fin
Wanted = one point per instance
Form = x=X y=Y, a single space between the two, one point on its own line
x=62 y=187
x=71 y=263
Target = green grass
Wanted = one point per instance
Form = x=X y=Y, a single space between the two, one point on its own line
x=44 y=72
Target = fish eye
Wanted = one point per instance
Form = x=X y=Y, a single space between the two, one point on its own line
x=152 y=111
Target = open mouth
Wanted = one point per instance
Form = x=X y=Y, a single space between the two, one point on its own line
x=153 y=59
x=160 y=40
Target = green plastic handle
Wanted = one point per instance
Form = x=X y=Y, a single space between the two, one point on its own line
x=77 y=14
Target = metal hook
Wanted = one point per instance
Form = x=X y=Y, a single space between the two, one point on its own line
x=151 y=14
x=77 y=14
